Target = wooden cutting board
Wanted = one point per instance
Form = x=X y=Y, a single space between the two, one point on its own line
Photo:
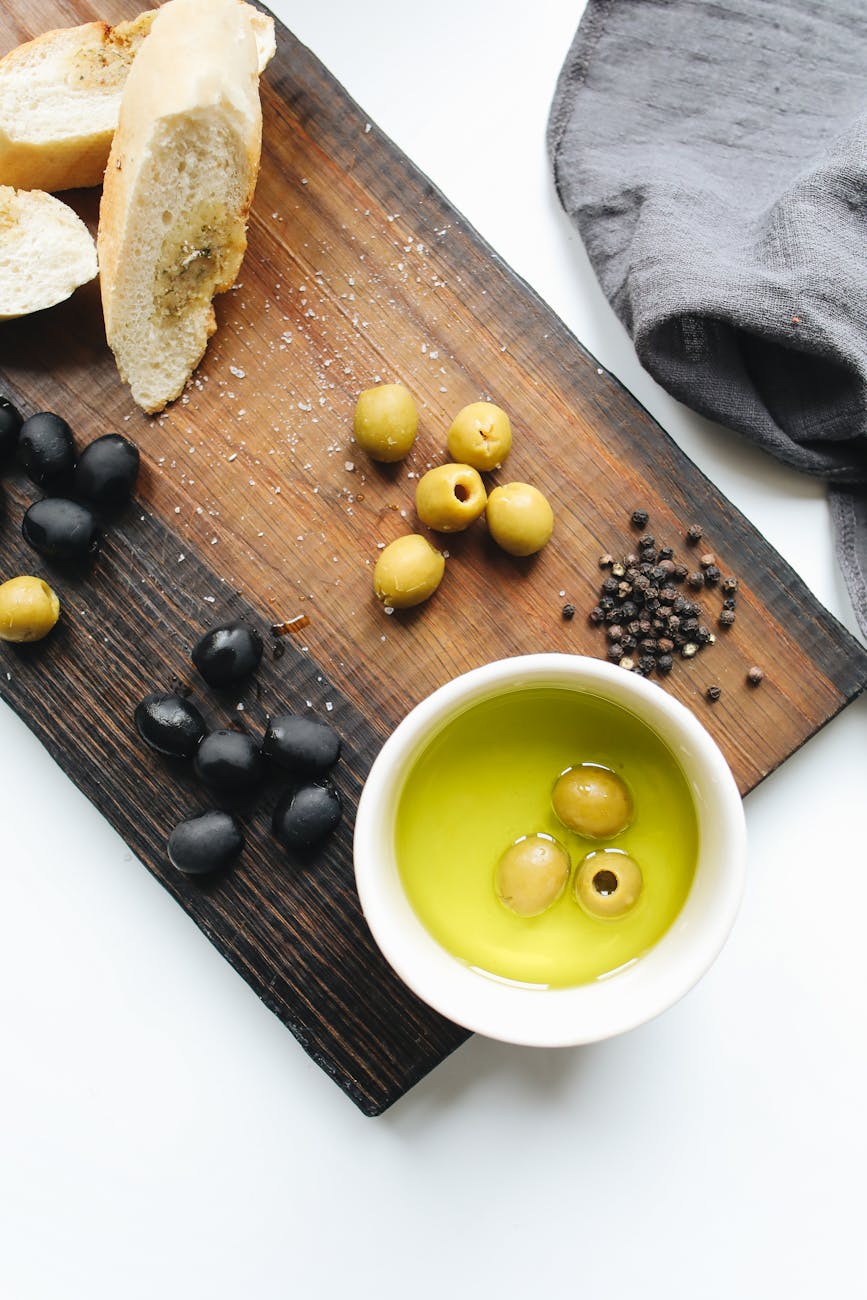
x=254 y=502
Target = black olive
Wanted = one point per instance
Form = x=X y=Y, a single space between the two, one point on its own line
x=228 y=653
x=305 y=815
x=10 y=426
x=170 y=725
x=210 y=842
x=301 y=745
x=229 y=763
x=61 y=529
x=46 y=449
x=106 y=472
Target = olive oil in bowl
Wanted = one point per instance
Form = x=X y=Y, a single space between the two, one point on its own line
x=486 y=779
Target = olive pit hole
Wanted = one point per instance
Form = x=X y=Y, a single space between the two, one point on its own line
x=461 y=492
x=605 y=882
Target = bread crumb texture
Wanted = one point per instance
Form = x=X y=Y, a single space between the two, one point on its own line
x=100 y=66
x=46 y=252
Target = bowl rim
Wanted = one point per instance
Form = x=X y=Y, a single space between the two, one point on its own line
x=624 y=998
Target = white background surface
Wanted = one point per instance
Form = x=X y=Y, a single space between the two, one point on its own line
x=163 y=1136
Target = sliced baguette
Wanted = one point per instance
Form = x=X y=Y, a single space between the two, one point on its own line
x=46 y=252
x=60 y=98
x=178 y=189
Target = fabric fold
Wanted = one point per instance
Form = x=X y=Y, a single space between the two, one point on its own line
x=714 y=159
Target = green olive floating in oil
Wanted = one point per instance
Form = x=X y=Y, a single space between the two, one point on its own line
x=607 y=883
x=532 y=874
x=593 y=801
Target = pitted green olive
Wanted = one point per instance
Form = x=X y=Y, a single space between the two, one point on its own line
x=28 y=609
x=450 y=497
x=481 y=436
x=593 y=801
x=408 y=572
x=386 y=422
x=520 y=520
x=607 y=883
x=532 y=874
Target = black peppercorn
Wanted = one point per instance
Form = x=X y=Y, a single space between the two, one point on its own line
x=646 y=665
x=707 y=560
x=730 y=585
x=647 y=541
x=615 y=653
x=666 y=552
x=729 y=602
x=630 y=560
x=712 y=575
x=696 y=579
x=664 y=664
x=606 y=561
x=713 y=693
x=668 y=594
x=609 y=586
x=640 y=518
x=694 y=534
x=629 y=609
x=703 y=634
x=597 y=614
x=628 y=642
x=755 y=676
x=615 y=632
x=606 y=604
x=634 y=628
x=726 y=617
x=666 y=645
x=568 y=611
x=681 y=572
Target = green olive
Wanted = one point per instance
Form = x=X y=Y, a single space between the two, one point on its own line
x=481 y=436
x=592 y=801
x=450 y=497
x=519 y=518
x=532 y=874
x=28 y=609
x=407 y=572
x=607 y=883
x=386 y=422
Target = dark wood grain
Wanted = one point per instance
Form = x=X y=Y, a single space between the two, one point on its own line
x=357 y=270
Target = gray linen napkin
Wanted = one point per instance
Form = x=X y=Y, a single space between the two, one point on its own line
x=714 y=158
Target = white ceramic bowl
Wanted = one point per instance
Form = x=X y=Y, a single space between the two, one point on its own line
x=587 y=1012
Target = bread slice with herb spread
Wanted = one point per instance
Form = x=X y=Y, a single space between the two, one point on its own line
x=60 y=98
x=178 y=189
x=46 y=252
